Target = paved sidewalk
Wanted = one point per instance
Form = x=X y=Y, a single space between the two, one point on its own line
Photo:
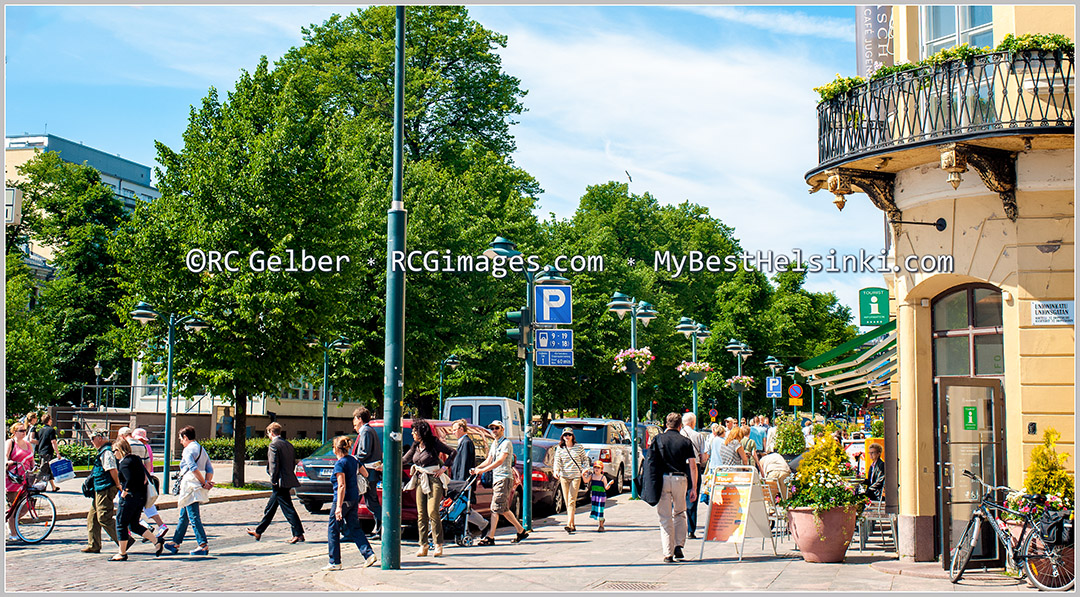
x=72 y=504
x=627 y=557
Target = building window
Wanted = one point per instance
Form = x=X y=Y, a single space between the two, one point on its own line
x=949 y=26
x=968 y=333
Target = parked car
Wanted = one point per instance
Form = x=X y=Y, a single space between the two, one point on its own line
x=314 y=472
x=606 y=440
x=547 y=493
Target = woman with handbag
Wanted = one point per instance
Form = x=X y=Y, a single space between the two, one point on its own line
x=196 y=479
x=344 y=517
x=138 y=438
x=428 y=478
x=133 y=493
x=572 y=466
x=19 y=452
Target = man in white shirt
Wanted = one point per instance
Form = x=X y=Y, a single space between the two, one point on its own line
x=701 y=455
x=500 y=461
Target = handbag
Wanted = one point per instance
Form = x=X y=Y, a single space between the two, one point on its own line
x=88 y=483
x=361 y=481
x=151 y=491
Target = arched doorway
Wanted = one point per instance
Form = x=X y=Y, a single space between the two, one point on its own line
x=969 y=373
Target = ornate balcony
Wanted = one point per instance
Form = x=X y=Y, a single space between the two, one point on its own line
x=1003 y=100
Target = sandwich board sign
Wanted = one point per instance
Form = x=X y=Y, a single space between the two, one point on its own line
x=736 y=507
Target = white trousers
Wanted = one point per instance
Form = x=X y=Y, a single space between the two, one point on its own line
x=672 y=513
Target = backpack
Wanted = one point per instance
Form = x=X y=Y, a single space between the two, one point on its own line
x=1056 y=528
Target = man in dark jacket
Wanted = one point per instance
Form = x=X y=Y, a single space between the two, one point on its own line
x=281 y=465
x=466 y=452
x=368 y=450
x=673 y=457
x=875 y=473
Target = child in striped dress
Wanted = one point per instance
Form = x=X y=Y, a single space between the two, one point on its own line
x=598 y=486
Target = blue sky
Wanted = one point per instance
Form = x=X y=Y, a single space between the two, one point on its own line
x=711 y=104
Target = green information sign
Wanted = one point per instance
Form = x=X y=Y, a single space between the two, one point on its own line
x=971 y=418
x=873 y=306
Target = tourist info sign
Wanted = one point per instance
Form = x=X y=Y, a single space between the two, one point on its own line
x=554 y=348
x=736 y=507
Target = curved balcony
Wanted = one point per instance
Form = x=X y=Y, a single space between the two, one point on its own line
x=995 y=95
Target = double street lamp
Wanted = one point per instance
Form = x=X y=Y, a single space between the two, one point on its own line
x=773 y=364
x=340 y=345
x=621 y=305
x=144 y=313
x=696 y=331
x=452 y=362
x=741 y=352
x=501 y=247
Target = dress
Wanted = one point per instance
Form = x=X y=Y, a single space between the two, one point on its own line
x=24 y=456
x=599 y=497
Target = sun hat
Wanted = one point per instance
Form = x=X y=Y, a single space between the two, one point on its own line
x=566 y=431
x=139 y=434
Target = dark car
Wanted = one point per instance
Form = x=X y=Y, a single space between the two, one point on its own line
x=315 y=483
x=547 y=493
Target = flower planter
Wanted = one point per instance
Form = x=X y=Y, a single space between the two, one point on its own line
x=823 y=536
x=738 y=387
x=632 y=367
x=695 y=375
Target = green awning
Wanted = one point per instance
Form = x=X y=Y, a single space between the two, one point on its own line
x=846 y=347
x=857 y=366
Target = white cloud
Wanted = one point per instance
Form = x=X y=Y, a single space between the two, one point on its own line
x=788 y=22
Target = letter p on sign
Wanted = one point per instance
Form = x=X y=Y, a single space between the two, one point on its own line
x=553 y=305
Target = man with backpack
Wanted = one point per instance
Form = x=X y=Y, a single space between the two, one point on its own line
x=104 y=484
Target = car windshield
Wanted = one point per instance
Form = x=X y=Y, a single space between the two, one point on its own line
x=326 y=451
x=583 y=433
x=538 y=452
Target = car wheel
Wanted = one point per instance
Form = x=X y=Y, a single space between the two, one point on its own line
x=516 y=507
x=315 y=507
x=559 y=502
x=617 y=487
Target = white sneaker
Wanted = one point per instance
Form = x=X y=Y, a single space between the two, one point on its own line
x=329 y=567
x=370 y=561
x=161 y=530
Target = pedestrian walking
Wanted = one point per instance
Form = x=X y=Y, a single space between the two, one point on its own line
x=500 y=461
x=139 y=439
x=770 y=437
x=464 y=461
x=571 y=467
x=47 y=449
x=368 y=451
x=281 y=460
x=674 y=459
x=689 y=421
x=19 y=460
x=133 y=488
x=105 y=481
x=196 y=479
x=32 y=428
x=429 y=482
x=344 y=518
x=598 y=486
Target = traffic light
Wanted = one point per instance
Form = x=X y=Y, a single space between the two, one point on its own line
x=521 y=333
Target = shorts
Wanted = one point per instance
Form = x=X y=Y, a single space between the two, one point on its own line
x=45 y=473
x=502 y=494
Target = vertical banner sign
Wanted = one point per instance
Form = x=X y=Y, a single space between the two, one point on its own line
x=873 y=306
x=873 y=38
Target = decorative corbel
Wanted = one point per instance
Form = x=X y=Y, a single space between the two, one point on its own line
x=996 y=168
x=877 y=185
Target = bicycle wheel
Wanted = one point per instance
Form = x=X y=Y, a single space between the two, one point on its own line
x=961 y=554
x=35 y=518
x=1050 y=567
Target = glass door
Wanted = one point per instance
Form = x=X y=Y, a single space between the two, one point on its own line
x=971 y=437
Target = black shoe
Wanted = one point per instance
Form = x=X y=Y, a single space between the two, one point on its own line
x=669 y=560
x=486 y=541
x=692 y=535
x=678 y=553
x=520 y=536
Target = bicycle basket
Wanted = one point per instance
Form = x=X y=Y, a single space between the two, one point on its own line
x=1056 y=528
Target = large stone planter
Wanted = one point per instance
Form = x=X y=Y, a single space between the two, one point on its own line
x=823 y=536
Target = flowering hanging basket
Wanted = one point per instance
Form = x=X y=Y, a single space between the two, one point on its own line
x=739 y=383
x=633 y=360
x=694 y=370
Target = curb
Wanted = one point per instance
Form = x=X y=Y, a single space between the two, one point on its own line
x=917 y=570
x=235 y=497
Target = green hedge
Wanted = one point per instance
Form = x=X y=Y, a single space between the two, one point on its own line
x=78 y=454
x=221 y=448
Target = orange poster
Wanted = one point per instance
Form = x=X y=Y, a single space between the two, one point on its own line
x=728 y=506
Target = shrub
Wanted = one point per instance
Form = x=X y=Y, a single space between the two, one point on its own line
x=789 y=438
x=78 y=454
x=817 y=429
x=821 y=490
x=839 y=86
x=853 y=428
x=827 y=455
x=1046 y=474
x=1036 y=41
x=877 y=428
x=221 y=448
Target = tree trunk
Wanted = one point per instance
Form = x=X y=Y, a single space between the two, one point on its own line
x=239 y=437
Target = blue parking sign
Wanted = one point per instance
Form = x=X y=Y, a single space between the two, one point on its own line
x=552 y=305
x=773 y=387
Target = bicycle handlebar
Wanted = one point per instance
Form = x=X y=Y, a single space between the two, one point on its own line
x=989 y=488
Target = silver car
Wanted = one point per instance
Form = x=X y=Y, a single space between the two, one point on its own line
x=606 y=440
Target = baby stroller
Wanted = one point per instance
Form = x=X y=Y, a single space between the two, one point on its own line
x=454 y=511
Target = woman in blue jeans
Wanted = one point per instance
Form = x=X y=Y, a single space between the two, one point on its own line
x=344 y=518
x=196 y=479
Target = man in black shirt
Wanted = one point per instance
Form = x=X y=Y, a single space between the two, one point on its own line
x=368 y=450
x=674 y=456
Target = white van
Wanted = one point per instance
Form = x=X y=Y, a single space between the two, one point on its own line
x=482 y=410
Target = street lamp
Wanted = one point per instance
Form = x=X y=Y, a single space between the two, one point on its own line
x=144 y=313
x=501 y=247
x=741 y=352
x=341 y=345
x=97 y=385
x=773 y=364
x=621 y=305
x=452 y=362
x=692 y=329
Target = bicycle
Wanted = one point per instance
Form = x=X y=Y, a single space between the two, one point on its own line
x=1049 y=567
x=33 y=511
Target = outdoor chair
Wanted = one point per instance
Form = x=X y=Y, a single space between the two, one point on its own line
x=775 y=491
x=875 y=516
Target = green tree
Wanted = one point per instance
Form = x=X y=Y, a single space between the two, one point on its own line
x=31 y=368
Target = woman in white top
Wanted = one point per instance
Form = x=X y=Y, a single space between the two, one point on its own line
x=571 y=463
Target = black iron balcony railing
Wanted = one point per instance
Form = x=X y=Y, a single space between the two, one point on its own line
x=994 y=94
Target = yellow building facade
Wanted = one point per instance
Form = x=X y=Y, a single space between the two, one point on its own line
x=986 y=339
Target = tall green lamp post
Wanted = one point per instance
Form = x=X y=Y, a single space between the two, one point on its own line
x=741 y=352
x=452 y=362
x=620 y=305
x=341 y=344
x=694 y=330
x=774 y=365
x=144 y=313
